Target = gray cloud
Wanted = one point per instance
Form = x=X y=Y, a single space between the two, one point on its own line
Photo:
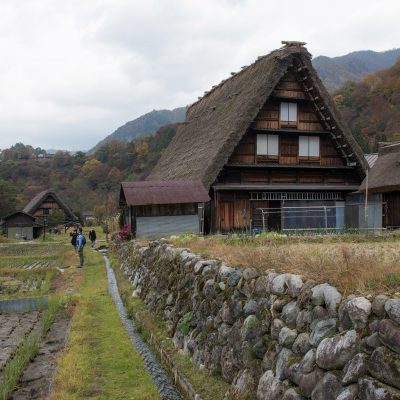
x=71 y=72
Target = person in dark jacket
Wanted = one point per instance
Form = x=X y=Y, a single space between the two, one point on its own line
x=80 y=243
x=92 y=237
x=74 y=235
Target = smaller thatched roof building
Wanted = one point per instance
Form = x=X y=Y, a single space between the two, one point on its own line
x=47 y=200
x=383 y=180
x=384 y=176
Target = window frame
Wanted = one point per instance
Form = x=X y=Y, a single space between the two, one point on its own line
x=308 y=157
x=287 y=122
x=267 y=156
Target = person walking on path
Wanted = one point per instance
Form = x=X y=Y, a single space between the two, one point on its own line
x=80 y=243
x=73 y=235
x=92 y=237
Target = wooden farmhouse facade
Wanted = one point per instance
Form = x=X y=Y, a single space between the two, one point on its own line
x=44 y=203
x=269 y=146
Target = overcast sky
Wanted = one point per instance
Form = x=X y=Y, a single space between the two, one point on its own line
x=73 y=71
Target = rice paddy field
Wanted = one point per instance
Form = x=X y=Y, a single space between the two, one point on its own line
x=28 y=269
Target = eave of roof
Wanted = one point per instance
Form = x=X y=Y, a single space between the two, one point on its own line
x=274 y=187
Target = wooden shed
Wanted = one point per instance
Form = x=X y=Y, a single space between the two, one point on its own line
x=384 y=180
x=21 y=225
x=269 y=145
x=160 y=209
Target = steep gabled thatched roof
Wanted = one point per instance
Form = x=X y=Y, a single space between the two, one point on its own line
x=384 y=176
x=215 y=124
x=36 y=202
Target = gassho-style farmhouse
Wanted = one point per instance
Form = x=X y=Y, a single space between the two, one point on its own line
x=30 y=222
x=266 y=149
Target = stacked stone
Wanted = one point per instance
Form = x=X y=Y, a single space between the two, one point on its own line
x=272 y=336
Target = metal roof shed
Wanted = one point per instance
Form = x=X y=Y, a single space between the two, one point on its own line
x=163 y=208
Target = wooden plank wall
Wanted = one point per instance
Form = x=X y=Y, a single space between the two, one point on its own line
x=288 y=87
x=268 y=117
x=155 y=210
x=245 y=152
x=294 y=176
x=392 y=216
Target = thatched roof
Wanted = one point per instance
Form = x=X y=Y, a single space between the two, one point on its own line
x=384 y=176
x=215 y=124
x=36 y=202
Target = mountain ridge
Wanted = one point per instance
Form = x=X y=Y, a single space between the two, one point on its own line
x=336 y=71
x=146 y=124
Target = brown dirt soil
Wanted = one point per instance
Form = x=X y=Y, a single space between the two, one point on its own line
x=13 y=328
x=37 y=379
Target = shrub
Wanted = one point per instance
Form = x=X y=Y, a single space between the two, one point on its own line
x=185 y=323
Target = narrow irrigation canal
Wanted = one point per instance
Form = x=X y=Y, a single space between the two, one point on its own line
x=167 y=389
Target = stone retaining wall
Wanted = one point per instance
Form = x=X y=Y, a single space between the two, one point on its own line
x=272 y=336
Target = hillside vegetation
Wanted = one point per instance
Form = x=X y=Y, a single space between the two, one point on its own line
x=335 y=71
x=144 y=125
x=371 y=107
x=82 y=181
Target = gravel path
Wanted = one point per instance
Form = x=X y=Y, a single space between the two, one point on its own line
x=167 y=389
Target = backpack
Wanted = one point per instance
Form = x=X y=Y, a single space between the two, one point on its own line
x=83 y=240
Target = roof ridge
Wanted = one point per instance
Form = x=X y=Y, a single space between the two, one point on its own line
x=288 y=48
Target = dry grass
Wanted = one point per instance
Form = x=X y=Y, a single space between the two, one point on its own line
x=360 y=266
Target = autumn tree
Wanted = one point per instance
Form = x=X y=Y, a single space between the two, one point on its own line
x=56 y=217
x=106 y=213
x=8 y=197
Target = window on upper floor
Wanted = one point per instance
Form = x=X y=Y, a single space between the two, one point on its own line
x=267 y=145
x=309 y=147
x=288 y=114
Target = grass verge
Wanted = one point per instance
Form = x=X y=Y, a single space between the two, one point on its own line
x=27 y=350
x=99 y=361
x=354 y=264
x=210 y=387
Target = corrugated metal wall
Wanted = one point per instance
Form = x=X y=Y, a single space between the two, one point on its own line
x=358 y=216
x=20 y=233
x=157 y=227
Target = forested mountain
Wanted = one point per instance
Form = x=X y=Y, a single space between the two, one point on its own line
x=371 y=107
x=335 y=71
x=145 y=124
x=83 y=181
